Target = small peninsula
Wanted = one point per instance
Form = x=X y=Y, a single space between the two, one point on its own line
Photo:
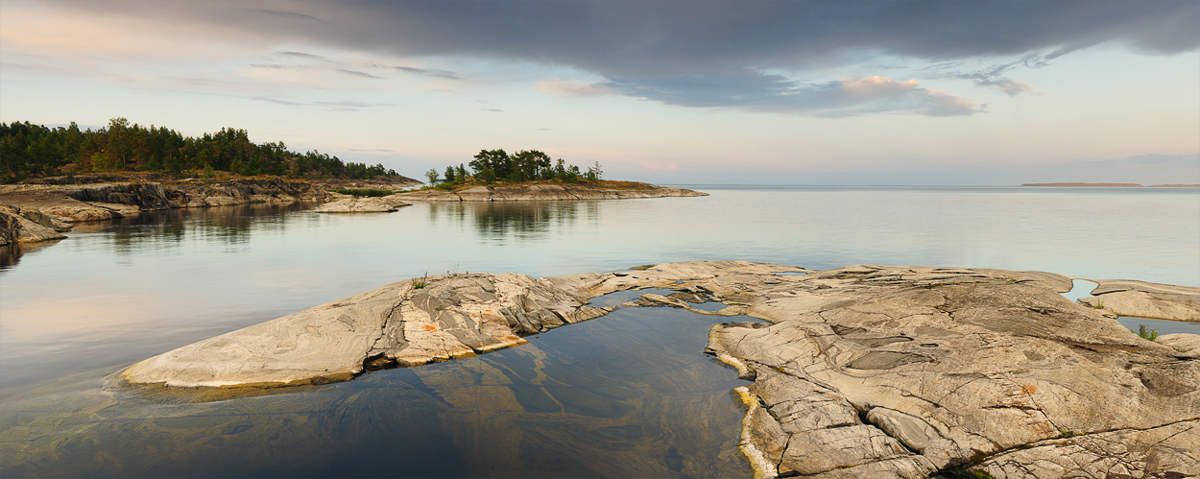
x=861 y=371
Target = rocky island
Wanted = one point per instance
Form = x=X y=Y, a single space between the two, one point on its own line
x=605 y=190
x=863 y=371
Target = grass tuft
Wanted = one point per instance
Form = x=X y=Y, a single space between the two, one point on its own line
x=420 y=283
x=1145 y=333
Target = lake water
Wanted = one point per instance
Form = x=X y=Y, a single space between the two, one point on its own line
x=74 y=311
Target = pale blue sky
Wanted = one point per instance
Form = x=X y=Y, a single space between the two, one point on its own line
x=967 y=93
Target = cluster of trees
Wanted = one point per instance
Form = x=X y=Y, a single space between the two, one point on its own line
x=490 y=166
x=28 y=150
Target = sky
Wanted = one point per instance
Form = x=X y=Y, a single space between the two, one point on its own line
x=672 y=92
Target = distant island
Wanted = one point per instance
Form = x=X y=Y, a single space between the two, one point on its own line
x=1106 y=184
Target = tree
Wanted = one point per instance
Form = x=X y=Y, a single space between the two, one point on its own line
x=432 y=174
x=487 y=176
x=594 y=172
x=530 y=163
x=449 y=174
x=495 y=160
x=119 y=142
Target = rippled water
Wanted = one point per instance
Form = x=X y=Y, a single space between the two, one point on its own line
x=73 y=311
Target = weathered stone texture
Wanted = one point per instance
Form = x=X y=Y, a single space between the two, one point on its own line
x=349 y=204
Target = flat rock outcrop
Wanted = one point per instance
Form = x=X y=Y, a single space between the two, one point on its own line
x=864 y=371
x=350 y=204
x=1145 y=300
x=904 y=372
x=547 y=193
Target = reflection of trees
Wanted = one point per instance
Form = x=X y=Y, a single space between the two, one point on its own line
x=524 y=219
x=228 y=224
x=11 y=254
x=152 y=230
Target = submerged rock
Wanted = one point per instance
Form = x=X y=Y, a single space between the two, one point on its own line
x=864 y=371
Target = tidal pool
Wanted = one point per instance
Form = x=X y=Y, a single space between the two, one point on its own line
x=1083 y=288
x=630 y=394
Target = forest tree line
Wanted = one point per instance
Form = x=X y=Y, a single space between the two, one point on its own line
x=490 y=166
x=31 y=151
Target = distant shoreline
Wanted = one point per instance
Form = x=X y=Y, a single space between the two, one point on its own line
x=1108 y=184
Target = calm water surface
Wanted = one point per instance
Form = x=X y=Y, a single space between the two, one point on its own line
x=76 y=310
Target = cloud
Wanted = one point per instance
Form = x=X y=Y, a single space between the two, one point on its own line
x=429 y=72
x=689 y=53
x=777 y=94
x=1009 y=87
x=358 y=73
x=326 y=105
x=302 y=55
x=567 y=88
x=994 y=76
x=290 y=15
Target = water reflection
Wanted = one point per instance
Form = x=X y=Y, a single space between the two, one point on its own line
x=628 y=395
x=1161 y=326
x=11 y=254
x=228 y=224
x=524 y=220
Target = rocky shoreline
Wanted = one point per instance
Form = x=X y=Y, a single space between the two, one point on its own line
x=864 y=371
x=41 y=210
x=550 y=192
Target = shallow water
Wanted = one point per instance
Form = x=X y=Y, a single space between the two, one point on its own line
x=626 y=396
x=1163 y=327
x=76 y=310
x=1083 y=288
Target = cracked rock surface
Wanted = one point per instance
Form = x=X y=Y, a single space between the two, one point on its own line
x=897 y=372
x=862 y=372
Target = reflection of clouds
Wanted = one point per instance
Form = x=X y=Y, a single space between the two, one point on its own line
x=100 y=315
x=298 y=278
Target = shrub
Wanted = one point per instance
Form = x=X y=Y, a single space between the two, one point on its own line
x=1145 y=333
x=420 y=283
